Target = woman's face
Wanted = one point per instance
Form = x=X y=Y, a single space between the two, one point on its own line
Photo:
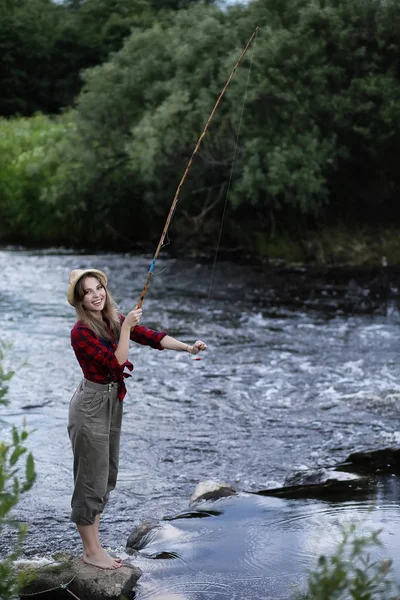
x=95 y=296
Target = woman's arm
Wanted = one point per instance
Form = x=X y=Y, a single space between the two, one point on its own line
x=130 y=321
x=170 y=343
x=144 y=335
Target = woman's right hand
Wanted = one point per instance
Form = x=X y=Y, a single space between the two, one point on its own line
x=133 y=318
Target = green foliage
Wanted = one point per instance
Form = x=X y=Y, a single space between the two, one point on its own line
x=138 y=120
x=350 y=573
x=319 y=132
x=26 y=38
x=320 y=122
x=28 y=159
x=46 y=44
x=12 y=485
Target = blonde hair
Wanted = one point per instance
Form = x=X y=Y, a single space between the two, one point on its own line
x=110 y=312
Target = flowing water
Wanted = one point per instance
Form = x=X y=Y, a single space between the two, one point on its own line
x=301 y=369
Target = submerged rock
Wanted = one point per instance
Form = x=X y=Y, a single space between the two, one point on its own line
x=87 y=582
x=138 y=538
x=321 y=483
x=353 y=477
x=332 y=489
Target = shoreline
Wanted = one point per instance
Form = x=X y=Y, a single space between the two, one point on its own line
x=329 y=248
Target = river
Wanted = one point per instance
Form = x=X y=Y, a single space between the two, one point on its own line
x=302 y=368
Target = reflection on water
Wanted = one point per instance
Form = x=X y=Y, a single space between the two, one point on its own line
x=302 y=368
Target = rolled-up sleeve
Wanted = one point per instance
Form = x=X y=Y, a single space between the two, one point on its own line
x=147 y=337
x=87 y=346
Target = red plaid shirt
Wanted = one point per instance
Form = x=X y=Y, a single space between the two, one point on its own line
x=96 y=356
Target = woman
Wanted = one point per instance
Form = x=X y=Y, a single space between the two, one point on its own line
x=100 y=339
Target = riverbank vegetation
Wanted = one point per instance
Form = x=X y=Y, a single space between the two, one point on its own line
x=12 y=485
x=125 y=89
x=351 y=573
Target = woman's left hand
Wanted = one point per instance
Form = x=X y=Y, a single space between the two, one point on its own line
x=197 y=346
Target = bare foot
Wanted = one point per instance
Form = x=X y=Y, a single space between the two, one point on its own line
x=101 y=559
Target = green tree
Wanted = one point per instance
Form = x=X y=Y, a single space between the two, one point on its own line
x=26 y=41
x=45 y=45
x=138 y=119
x=320 y=126
x=318 y=140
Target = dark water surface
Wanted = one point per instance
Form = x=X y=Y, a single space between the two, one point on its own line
x=302 y=368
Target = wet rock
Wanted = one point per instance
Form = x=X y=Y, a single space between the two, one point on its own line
x=211 y=490
x=324 y=484
x=137 y=539
x=383 y=460
x=312 y=477
x=86 y=582
x=199 y=513
x=353 y=477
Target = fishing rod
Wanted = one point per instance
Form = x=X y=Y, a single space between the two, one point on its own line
x=175 y=200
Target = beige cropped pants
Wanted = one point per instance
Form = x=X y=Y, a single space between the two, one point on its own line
x=94 y=428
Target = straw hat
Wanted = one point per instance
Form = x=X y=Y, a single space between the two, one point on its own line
x=76 y=275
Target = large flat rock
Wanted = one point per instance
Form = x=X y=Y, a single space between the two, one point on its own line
x=87 y=582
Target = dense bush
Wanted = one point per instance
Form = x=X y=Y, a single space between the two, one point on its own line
x=318 y=141
x=28 y=159
x=319 y=132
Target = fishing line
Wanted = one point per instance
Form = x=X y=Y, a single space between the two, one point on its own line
x=231 y=171
x=159 y=272
x=167 y=243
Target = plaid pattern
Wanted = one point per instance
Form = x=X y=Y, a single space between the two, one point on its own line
x=96 y=355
